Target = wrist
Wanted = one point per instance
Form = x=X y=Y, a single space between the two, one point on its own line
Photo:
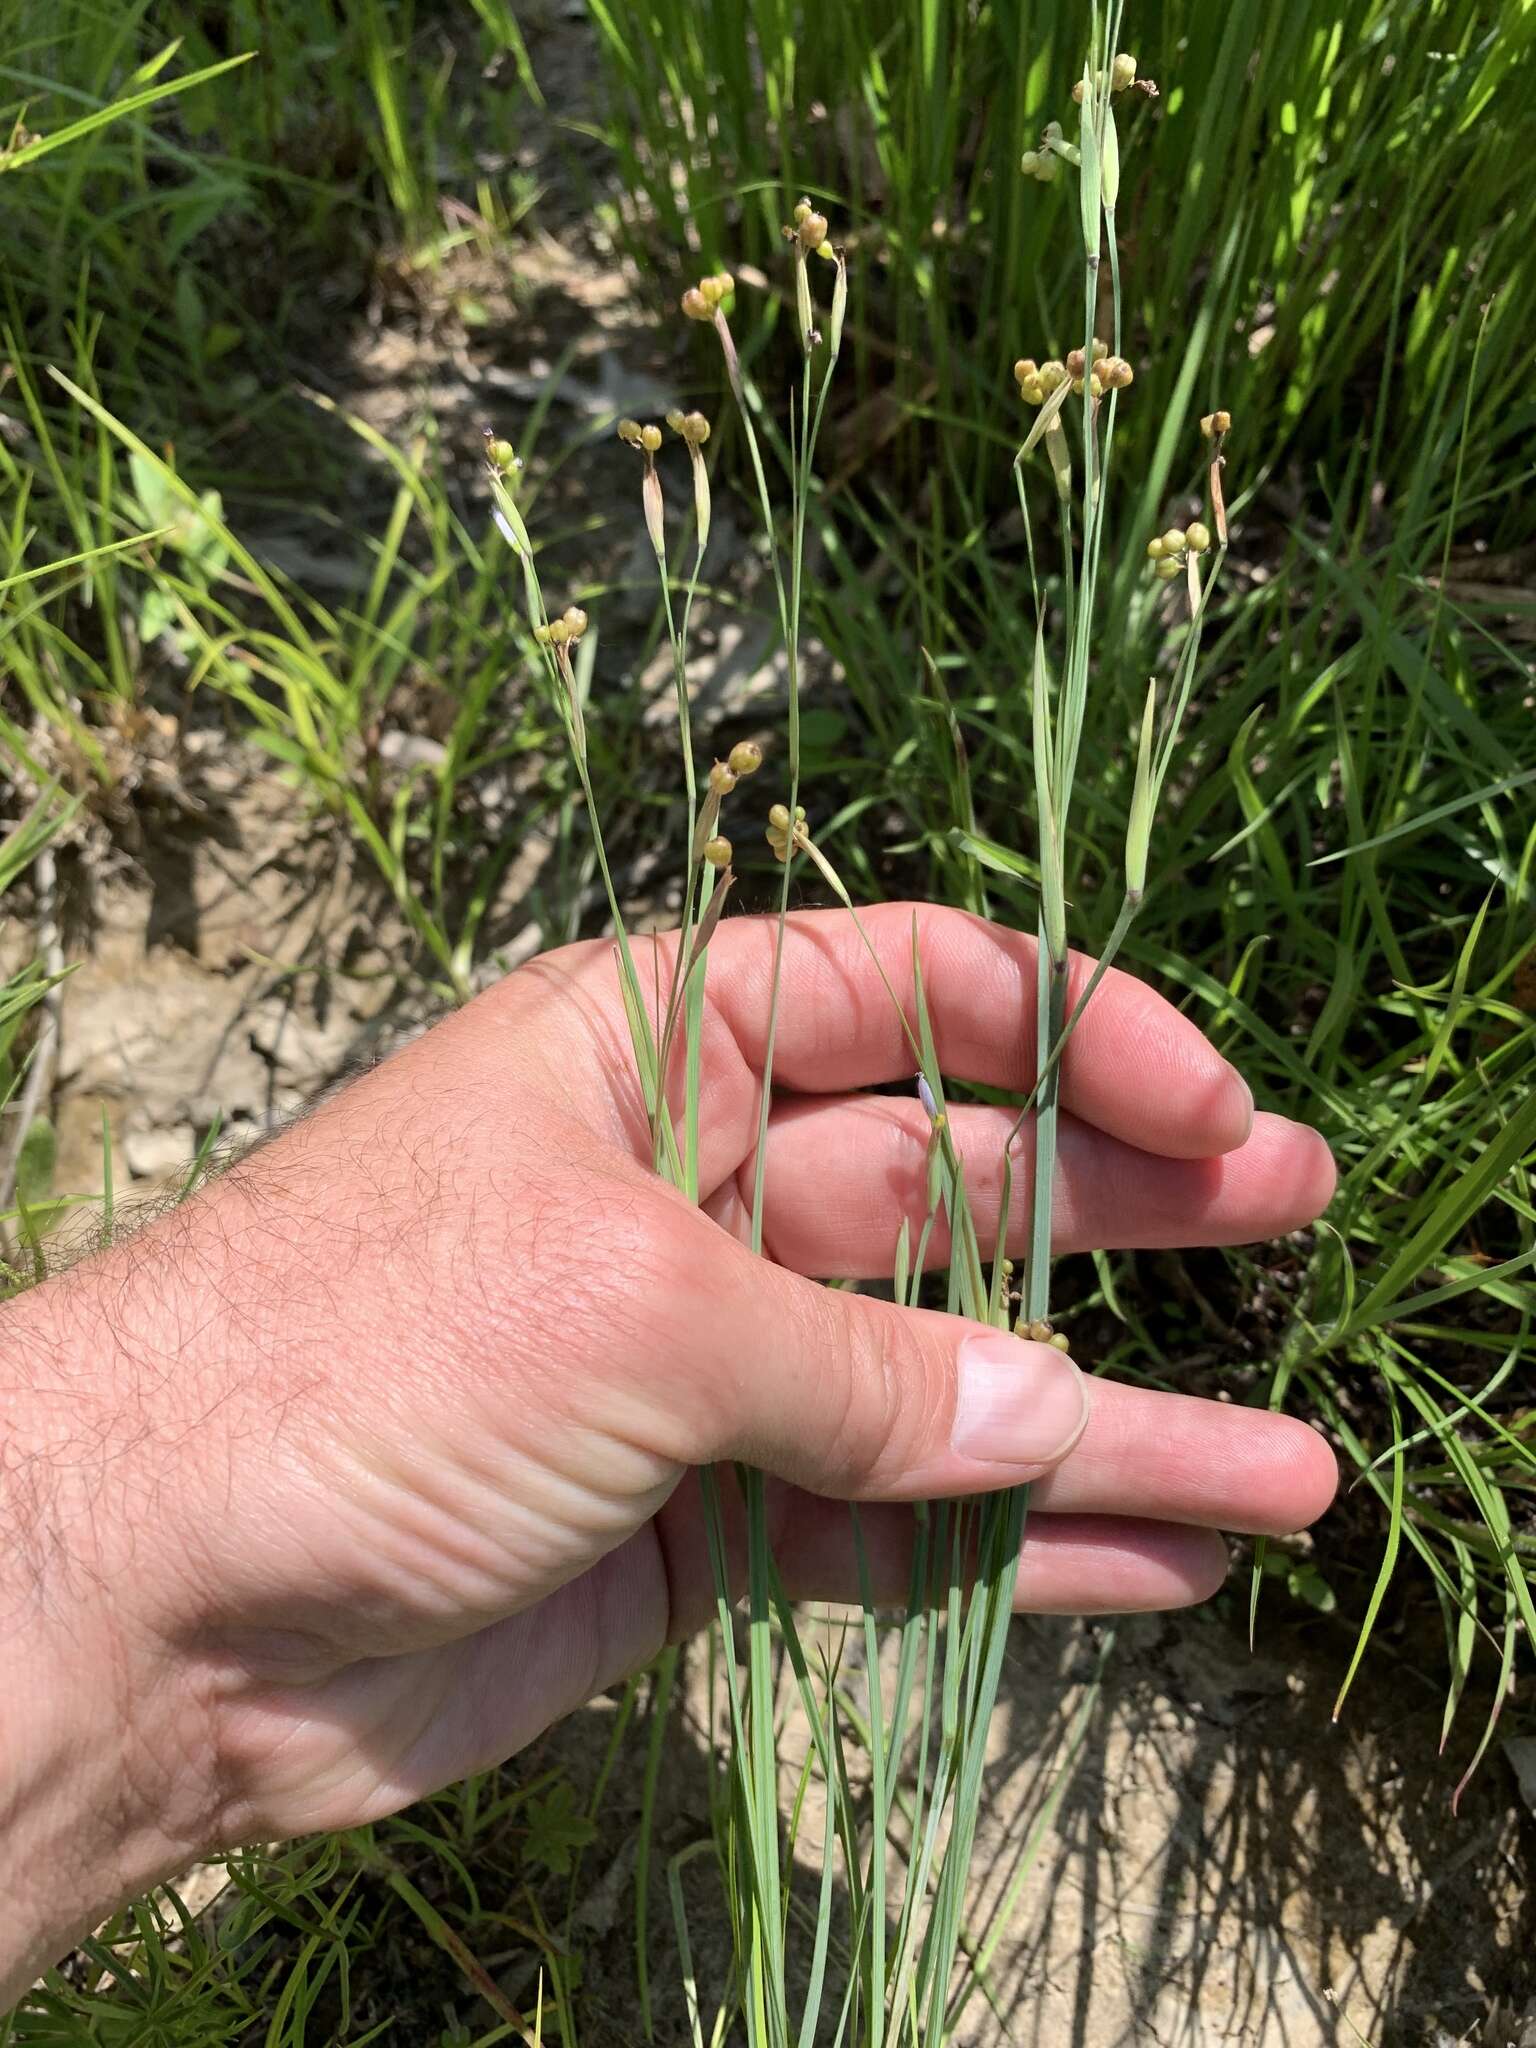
x=104 y=1789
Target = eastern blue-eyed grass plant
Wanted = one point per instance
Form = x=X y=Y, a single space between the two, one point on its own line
x=924 y=1722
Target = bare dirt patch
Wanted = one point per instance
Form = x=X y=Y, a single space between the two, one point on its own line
x=1214 y=1862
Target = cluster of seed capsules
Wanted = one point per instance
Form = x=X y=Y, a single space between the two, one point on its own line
x=564 y=631
x=1122 y=76
x=744 y=759
x=692 y=427
x=782 y=829
x=1045 y=162
x=701 y=301
x=1036 y=381
x=1038 y=1329
x=809 y=228
x=1169 y=551
x=500 y=455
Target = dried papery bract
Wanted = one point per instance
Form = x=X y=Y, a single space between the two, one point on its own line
x=647 y=440
x=693 y=429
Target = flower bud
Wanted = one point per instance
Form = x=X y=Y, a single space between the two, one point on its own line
x=498 y=453
x=1198 y=537
x=1116 y=373
x=1032 y=391
x=1052 y=375
x=803 y=212
x=1215 y=423
x=812 y=230
x=1077 y=387
x=1122 y=73
x=1048 y=170
x=1025 y=368
x=1173 y=540
x=1075 y=363
x=695 y=429
x=1096 y=385
x=675 y=420
x=745 y=758
x=722 y=779
x=1100 y=349
x=1077 y=93
x=778 y=817
x=559 y=632
x=717 y=852
x=695 y=305
x=574 y=619
x=630 y=432
x=1059 y=1341
x=1167 y=569
x=650 y=439
x=1029 y=163
x=1155 y=548
x=541 y=634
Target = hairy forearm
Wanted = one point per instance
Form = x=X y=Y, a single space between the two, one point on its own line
x=102 y=1785
x=156 y=1402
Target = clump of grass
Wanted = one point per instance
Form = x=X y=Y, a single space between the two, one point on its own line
x=899 y=1971
x=1351 y=839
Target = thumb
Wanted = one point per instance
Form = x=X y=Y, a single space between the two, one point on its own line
x=859 y=1399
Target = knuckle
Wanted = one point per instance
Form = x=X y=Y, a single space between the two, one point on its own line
x=892 y=1397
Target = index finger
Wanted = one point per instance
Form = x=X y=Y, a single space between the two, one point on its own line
x=1134 y=1066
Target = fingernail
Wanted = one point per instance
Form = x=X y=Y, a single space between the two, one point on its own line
x=1242 y=1089
x=1017 y=1403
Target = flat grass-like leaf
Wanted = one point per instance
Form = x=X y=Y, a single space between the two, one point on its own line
x=1460 y=1201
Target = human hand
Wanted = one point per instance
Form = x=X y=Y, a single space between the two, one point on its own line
x=350 y=1476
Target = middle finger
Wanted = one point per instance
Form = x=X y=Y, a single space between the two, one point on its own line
x=844 y=1172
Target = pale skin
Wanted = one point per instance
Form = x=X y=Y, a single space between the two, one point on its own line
x=358 y=1471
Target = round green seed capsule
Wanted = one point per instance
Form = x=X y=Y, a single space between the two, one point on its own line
x=1198 y=536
